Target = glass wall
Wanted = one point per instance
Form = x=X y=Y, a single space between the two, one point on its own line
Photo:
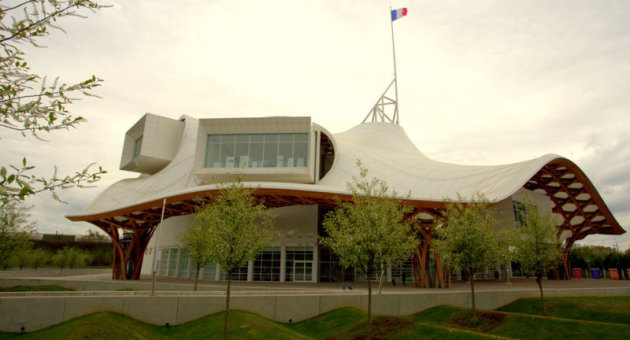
x=299 y=264
x=209 y=272
x=279 y=150
x=404 y=272
x=267 y=265
x=182 y=265
x=163 y=262
x=172 y=260
x=240 y=274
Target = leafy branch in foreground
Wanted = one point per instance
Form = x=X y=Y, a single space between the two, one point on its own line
x=16 y=183
x=29 y=103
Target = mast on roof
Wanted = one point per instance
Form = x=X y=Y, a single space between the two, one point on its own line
x=385 y=103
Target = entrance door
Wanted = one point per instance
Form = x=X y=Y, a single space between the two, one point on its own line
x=302 y=271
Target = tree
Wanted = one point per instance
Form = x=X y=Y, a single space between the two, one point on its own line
x=467 y=238
x=30 y=103
x=71 y=257
x=198 y=242
x=535 y=244
x=237 y=229
x=370 y=231
x=15 y=230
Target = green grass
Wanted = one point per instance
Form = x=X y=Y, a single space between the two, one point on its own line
x=604 y=309
x=524 y=326
x=43 y=288
x=443 y=322
x=329 y=324
x=542 y=328
x=243 y=325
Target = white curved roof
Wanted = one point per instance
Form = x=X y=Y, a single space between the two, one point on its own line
x=383 y=148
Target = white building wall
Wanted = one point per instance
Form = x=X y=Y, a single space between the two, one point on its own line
x=298 y=224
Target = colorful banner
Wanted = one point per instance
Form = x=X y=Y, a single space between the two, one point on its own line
x=595 y=273
x=613 y=273
x=577 y=273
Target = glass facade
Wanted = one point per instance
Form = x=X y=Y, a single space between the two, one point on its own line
x=172 y=262
x=404 y=271
x=182 y=265
x=163 y=262
x=239 y=274
x=267 y=265
x=209 y=272
x=299 y=264
x=279 y=150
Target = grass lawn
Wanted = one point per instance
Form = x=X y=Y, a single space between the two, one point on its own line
x=44 y=288
x=443 y=322
x=329 y=324
x=524 y=326
x=606 y=309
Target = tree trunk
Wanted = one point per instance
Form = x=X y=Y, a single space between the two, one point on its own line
x=227 y=306
x=542 y=297
x=471 y=277
x=197 y=275
x=369 y=326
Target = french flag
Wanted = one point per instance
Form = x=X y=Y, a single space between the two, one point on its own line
x=398 y=13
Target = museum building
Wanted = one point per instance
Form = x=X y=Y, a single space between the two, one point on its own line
x=299 y=169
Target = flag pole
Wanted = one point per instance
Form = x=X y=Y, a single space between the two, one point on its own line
x=157 y=247
x=391 y=22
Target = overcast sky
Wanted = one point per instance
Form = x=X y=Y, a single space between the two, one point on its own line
x=483 y=82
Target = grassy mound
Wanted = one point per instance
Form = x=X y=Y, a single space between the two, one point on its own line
x=43 y=288
x=329 y=324
x=483 y=321
x=604 y=309
x=443 y=322
x=383 y=327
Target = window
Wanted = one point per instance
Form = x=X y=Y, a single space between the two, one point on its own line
x=172 y=268
x=137 y=146
x=405 y=270
x=279 y=150
x=520 y=212
x=182 y=266
x=299 y=264
x=267 y=265
x=162 y=261
x=239 y=274
x=209 y=272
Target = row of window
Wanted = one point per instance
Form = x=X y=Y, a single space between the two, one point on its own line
x=174 y=262
x=279 y=150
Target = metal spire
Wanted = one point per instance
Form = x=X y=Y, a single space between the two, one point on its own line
x=379 y=112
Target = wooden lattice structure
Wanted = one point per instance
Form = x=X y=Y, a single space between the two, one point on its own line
x=574 y=198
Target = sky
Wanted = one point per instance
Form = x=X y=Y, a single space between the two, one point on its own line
x=483 y=82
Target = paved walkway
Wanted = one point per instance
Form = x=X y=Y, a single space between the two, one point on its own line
x=100 y=279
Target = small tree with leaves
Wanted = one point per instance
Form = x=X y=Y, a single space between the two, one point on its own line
x=237 y=229
x=535 y=244
x=30 y=103
x=467 y=238
x=198 y=242
x=15 y=231
x=370 y=231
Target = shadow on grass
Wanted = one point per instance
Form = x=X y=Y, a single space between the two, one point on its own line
x=382 y=328
x=482 y=321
